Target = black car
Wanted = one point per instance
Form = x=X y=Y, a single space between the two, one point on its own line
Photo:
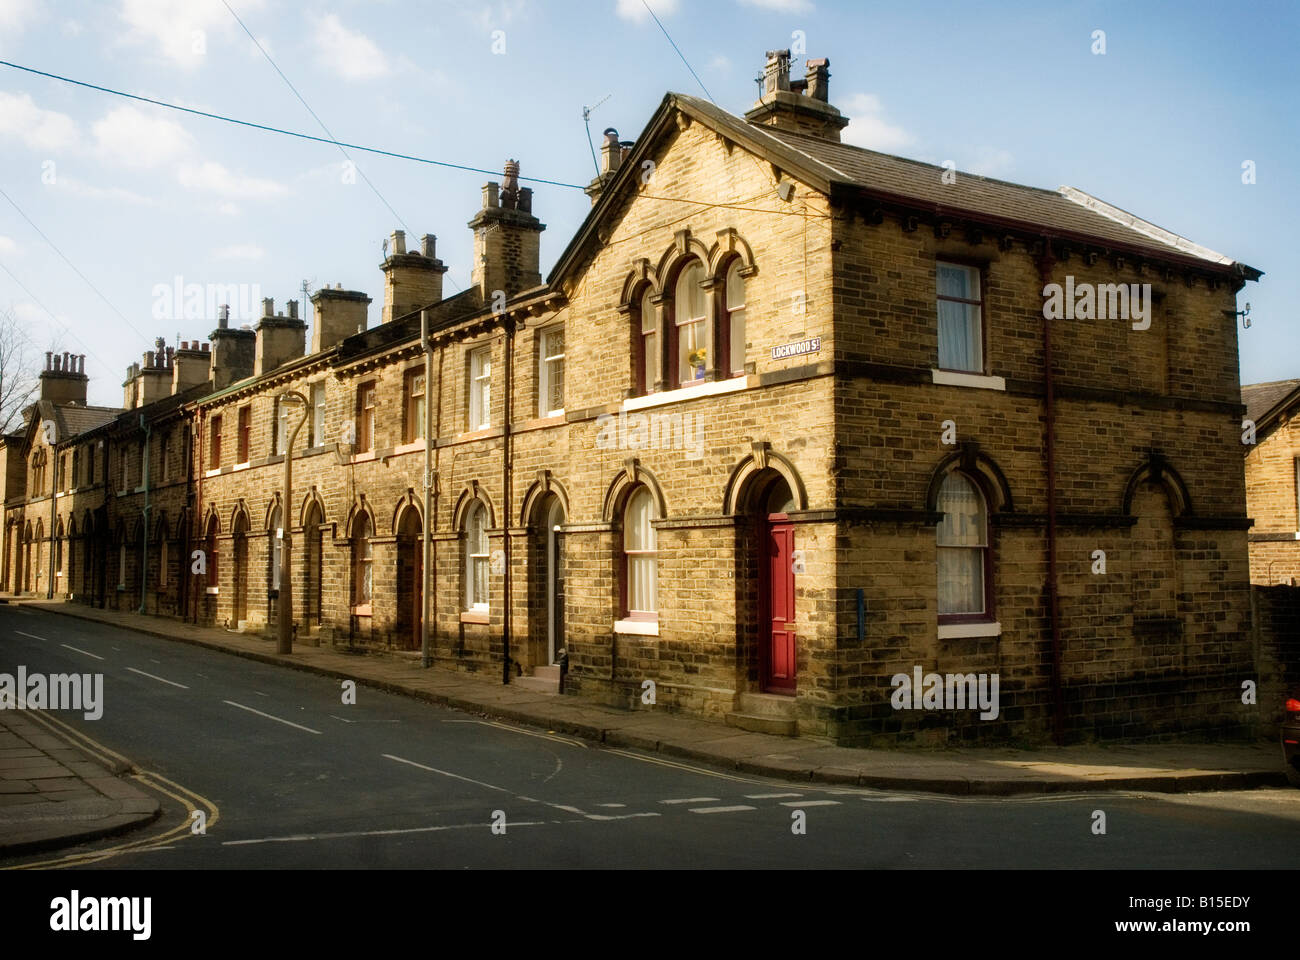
x=1291 y=737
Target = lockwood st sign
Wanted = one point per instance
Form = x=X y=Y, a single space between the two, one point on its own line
x=796 y=349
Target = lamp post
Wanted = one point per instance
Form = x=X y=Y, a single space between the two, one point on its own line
x=284 y=626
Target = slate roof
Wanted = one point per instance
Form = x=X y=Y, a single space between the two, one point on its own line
x=833 y=168
x=1262 y=398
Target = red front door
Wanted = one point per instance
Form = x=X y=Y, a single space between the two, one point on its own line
x=777 y=605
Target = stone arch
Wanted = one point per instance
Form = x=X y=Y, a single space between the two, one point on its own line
x=211 y=521
x=72 y=527
x=537 y=492
x=729 y=246
x=408 y=501
x=160 y=531
x=183 y=524
x=271 y=506
x=313 y=497
x=639 y=277
x=633 y=474
x=982 y=469
x=239 y=516
x=87 y=524
x=684 y=247
x=1156 y=469
x=360 y=507
x=470 y=492
x=740 y=487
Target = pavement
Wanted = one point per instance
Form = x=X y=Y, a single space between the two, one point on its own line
x=52 y=794
x=1164 y=767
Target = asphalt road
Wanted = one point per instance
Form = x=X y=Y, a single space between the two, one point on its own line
x=300 y=779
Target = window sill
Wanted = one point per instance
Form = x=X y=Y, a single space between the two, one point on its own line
x=363 y=457
x=474 y=616
x=241 y=466
x=640 y=628
x=952 y=378
x=363 y=610
x=411 y=446
x=212 y=591
x=211 y=473
x=960 y=631
x=709 y=388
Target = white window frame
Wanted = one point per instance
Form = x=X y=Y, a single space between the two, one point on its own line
x=317 y=397
x=981 y=549
x=479 y=412
x=477 y=557
x=683 y=320
x=550 y=369
x=647 y=553
x=735 y=301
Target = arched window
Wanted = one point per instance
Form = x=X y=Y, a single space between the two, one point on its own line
x=689 y=322
x=640 y=557
x=645 y=346
x=476 y=558
x=733 y=331
x=277 y=547
x=963 y=550
x=362 y=562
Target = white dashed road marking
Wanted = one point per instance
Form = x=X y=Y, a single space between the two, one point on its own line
x=811 y=803
x=770 y=796
x=719 y=809
x=79 y=650
x=454 y=776
x=693 y=800
x=159 y=679
x=287 y=723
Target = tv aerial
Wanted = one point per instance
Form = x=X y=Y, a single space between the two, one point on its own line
x=586 y=119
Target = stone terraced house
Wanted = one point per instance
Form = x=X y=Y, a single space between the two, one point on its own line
x=1273 y=480
x=787 y=418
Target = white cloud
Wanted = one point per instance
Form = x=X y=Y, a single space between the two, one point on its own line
x=7 y=246
x=133 y=138
x=352 y=55
x=718 y=62
x=212 y=177
x=868 y=126
x=228 y=209
x=781 y=6
x=72 y=28
x=180 y=30
x=14 y=15
x=89 y=191
x=40 y=129
x=635 y=10
x=240 y=251
x=991 y=162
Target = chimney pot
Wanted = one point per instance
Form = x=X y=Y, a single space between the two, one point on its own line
x=510 y=181
x=49 y=359
x=206 y=345
x=398 y=243
x=429 y=246
x=293 y=309
x=223 y=316
x=268 y=307
x=491 y=192
x=818 y=79
x=776 y=73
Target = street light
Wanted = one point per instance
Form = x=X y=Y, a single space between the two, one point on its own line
x=284 y=628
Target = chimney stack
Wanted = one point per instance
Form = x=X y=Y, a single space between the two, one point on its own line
x=190 y=365
x=411 y=280
x=339 y=314
x=612 y=153
x=507 y=238
x=278 y=339
x=799 y=107
x=62 y=380
x=232 y=352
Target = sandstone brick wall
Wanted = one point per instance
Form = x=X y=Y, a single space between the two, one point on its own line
x=1272 y=500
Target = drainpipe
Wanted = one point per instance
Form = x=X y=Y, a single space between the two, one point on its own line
x=144 y=560
x=54 y=515
x=1045 y=263
x=196 y=521
x=506 y=508
x=426 y=537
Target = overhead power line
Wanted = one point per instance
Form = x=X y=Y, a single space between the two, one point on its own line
x=269 y=129
x=680 y=54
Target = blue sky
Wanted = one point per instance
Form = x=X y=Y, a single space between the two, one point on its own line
x=136 y=195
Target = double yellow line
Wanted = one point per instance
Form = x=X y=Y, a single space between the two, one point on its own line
x=190 y=800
